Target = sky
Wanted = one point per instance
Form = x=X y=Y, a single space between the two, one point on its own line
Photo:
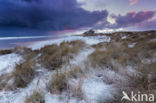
x=44 y=17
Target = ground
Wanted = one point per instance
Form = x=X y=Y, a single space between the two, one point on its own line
x=92 y=68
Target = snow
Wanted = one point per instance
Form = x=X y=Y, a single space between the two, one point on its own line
x=82 y=56
x=154 y=58
x=99 y=84
x=153 y=40
x=91 y=40
x=124 y=37
x=131 y=70
x=8 y=62
x=109 y=76
x=52 y=98
x=131 y=45
x=96 y=90
x=20 y=95
x=56 y=99
x=146 y=61
x=39 y=82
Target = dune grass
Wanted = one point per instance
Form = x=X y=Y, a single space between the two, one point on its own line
x=7 y=51
x=23 y=74
x=60 y=81
x=117 y=56
x=36 y=97
x=54 y=56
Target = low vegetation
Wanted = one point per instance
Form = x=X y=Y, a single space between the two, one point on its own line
x=36 y=97
x=4 y=81
x=58 y=83
x=54 y=56
x=129 y=56
x=23 y=74
x=117 y=55
x=7 y=51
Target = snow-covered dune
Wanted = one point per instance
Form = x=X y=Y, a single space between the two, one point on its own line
x=89 y=40
x=100 y=69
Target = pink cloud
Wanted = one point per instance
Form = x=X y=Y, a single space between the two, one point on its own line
x=133 y=2
x=134 y=18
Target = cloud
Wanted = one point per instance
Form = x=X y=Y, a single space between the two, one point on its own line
x=133 y=18
x=133 y=2
x=149 y=25
x=47 y=14
x=93 y=5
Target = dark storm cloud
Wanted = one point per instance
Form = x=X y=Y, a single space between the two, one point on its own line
x=47 y=14
x=133 y=18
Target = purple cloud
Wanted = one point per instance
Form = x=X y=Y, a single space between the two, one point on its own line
x=47 y=14
x=148 y=25
x=133 y=18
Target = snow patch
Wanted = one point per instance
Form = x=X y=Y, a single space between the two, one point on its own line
x=82 y=56
x=8 y=62
x=131 y=45
x=154 y=58
x=124 y=37
x=153 y=40
x=51 y=98
x=96 y=90
x=146 y=61
x=21 y=94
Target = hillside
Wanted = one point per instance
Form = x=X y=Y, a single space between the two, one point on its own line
x=91 y=68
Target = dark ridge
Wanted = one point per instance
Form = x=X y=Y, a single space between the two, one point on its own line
x=7 y=51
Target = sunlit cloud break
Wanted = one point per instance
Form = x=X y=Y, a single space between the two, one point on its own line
x=133 y=2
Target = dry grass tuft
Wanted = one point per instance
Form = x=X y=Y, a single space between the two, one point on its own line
x=26 y=53
x=74 y=72
x=58 y=83
x=8 y=51
x=54 y=56
x=4 y=81
x=51 y=57
x=24 y=73
x=36 y=97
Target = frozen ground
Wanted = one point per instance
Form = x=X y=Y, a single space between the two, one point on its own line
x=8 y=62
x=90 y=86
x=95 y=84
